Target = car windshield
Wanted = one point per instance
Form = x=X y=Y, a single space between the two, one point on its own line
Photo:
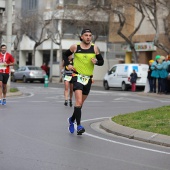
x=34 y=68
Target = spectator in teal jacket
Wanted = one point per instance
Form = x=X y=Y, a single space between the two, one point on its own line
x=156 y=68
x=163 y=74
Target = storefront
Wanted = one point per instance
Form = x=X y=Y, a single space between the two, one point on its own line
x=144 y=51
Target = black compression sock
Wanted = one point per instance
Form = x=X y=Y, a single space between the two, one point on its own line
x=76 y=115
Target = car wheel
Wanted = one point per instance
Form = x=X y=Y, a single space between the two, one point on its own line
x=24 y=79
x=106 y=85
x=124 y=86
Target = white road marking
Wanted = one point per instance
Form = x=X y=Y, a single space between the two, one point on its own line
x=37 y=101
x=92 y=101
x=136 y=100
x=119 y=101
x=120 y=143
x=120 y=98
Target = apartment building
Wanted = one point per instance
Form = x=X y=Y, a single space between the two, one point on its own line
x=3 y=19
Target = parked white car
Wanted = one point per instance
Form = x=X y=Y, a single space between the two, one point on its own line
x=118 y=76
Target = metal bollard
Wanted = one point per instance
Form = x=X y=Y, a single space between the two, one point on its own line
x=45 y=81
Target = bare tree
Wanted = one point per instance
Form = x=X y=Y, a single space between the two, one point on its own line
x=117 y=7
x=16 y=43
x=56 y=37
x=154 y=10
x=82 y=17
x=35 y=27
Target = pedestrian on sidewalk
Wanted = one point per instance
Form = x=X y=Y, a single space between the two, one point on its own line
x=133 y=78
x=44 y=67
x=86 y=55
x=6 y=60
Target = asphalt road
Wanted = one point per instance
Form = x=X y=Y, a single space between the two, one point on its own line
x=34 y=135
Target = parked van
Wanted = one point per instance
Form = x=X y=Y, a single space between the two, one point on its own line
x=118 y=75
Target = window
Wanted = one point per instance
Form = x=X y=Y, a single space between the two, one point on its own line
x=94 y=2
x=69 y=27
x=113 y=70
x=32 y=4
x=75 y=27
x=68 y=2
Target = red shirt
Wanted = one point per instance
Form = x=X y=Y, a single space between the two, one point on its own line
x=6 y=58
x=45 y=68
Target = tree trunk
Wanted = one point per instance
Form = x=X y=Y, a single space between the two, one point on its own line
x=135 y=56
x=60 y=63
x=33 y=56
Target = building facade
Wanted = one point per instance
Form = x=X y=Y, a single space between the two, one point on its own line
x=67 y=21
x=144 y=37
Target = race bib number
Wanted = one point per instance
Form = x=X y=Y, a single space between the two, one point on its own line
x=67 y=78
x=83 y=79
x=2 y=66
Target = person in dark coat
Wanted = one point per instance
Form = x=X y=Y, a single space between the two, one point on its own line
x=133 y=78
x=151 y=79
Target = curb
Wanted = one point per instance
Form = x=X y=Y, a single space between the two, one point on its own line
x=149 y=137
x=154 y=95
x=10 y=94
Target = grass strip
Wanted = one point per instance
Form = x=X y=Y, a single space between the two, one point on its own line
x=155 y=120
x=13 y=90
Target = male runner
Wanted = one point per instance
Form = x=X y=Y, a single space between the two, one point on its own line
x=6 y=60
x=86 y=55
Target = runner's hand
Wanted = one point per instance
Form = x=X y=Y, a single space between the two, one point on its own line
x=70 y=67
x=5 y=64
x=94 y=60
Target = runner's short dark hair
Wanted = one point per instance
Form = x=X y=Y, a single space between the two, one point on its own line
x=84 y=31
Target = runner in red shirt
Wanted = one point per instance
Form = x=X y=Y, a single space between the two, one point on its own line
x=6 y=60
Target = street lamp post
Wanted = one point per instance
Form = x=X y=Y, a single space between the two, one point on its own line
x=9 y=30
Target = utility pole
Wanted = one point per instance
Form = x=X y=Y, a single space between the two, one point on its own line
x=51 y=51
x=9 y=31
x=51 y=60
x=9 y=25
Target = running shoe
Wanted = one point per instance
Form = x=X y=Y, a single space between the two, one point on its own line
x=71 y=125
x=80 y=130
x=4 y=102
x=66 y=103
x=70 y=103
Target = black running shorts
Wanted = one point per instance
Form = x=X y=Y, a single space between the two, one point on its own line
x=78 y=86
x=4 y=77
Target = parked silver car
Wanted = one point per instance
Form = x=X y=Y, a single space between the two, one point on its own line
x=29 y=73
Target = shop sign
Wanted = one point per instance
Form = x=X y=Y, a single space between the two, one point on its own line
x=148 y=46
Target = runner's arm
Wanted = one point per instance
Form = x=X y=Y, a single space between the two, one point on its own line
x=99 y=57
x=68 y=53
x=10 y=62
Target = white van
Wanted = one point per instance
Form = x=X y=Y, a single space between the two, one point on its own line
x=118 y=75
